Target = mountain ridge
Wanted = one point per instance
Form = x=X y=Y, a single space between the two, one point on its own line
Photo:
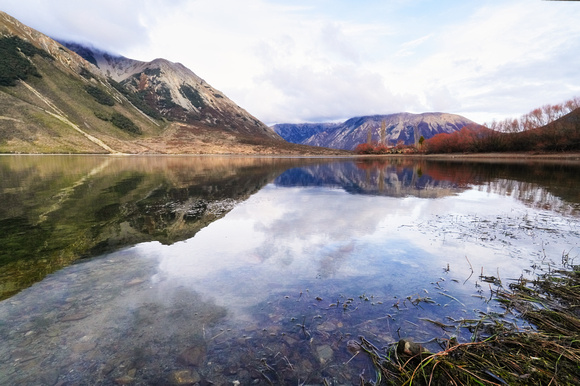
x=405 y=127
x=174 y=90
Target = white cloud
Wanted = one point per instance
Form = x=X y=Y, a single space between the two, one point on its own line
x=409 y=48
x=505 y=59
x=111 y=24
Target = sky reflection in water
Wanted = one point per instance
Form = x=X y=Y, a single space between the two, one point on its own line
x=343 y=249
x=299 y=237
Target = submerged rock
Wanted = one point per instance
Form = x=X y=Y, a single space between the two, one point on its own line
x=324 y=353
x=124 y=380
x=409 y=348
x=184 y=377
x=194 y=356
x=353 y=347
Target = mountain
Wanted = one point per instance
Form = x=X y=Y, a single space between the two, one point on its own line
x=298 y=133
x=66 y=98
x=405 y=127
x=174 y=91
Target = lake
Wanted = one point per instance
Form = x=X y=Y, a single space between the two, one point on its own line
x=256 y=270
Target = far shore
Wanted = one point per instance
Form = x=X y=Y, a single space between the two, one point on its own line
x=572 y=156
x=564 y=156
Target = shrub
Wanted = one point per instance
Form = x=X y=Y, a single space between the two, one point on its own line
x=100 y=96
x=364 y=148
x=165 y=101
x=192 y=95
x=124 y=123
x=14 y=63
x=135 y=99
x=102 y=116
x=86 y=73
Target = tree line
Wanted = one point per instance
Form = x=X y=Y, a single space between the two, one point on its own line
x=547 y=128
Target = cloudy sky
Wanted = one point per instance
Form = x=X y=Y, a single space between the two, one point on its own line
x=329 y=60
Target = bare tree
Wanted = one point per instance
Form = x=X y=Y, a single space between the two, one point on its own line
x=383 y=132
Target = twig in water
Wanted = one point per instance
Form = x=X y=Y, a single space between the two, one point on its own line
x=351 y=358
x=451 y=297
x=303 y=327
x=438 y=324
x=470 y=267
x=218 y=334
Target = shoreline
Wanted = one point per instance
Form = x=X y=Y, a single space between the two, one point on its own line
x=531 y=156
x=543 y=156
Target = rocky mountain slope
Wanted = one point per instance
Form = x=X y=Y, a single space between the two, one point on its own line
x=298 y=133
x=405 y=127
x=174 y=91
x=55 y=100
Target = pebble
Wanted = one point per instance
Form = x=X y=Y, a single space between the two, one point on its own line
x=324 y=353
x=124 y=380
x=135 y=282
x=82 y=347
x=184 y=377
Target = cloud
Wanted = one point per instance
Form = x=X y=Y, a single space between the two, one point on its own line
x=115 y=25
x=506 y=59
x=307 y=61
x=339 y=91
x=409 y=48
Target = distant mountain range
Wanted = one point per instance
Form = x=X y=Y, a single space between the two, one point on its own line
x=405 y=127
x=67 y=98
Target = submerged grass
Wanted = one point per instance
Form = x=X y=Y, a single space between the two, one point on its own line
x=501 y=353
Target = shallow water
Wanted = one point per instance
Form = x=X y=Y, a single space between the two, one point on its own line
x=177 y=270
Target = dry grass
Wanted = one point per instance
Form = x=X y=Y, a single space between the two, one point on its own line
x=500 y=353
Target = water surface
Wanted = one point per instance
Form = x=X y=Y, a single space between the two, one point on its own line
x=177 y=270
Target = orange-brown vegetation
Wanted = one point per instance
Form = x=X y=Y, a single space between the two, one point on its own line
x=380 y=148
x=550 y=128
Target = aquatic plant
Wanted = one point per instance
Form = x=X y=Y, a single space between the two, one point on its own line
x=501 y=352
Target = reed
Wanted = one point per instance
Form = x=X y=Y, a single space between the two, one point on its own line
x=501 y=352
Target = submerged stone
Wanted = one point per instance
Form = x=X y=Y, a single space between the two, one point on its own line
x=193 y=356
x=184 y=377
x=324 y=353
x=410 y=348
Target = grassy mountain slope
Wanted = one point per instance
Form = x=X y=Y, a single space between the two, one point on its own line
x=54 y=101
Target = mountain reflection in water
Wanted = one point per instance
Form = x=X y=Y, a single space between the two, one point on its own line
x=258 y=270
x=57 y=209
x=540 y=185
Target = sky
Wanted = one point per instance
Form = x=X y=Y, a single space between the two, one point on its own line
x=293 y=61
